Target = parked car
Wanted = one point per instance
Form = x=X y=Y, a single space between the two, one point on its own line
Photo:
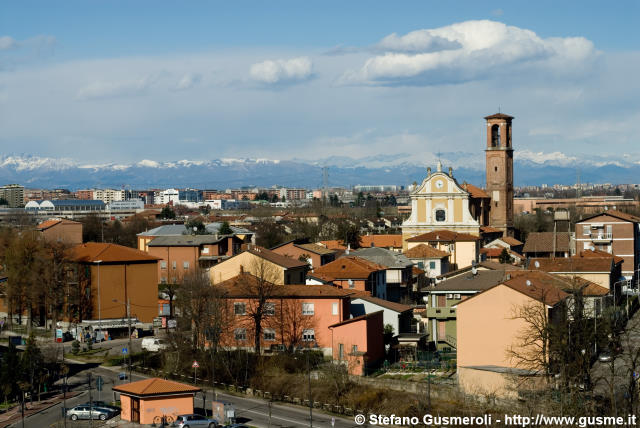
x=84 y=412
x=101 y=404
x=153 y=344
x=185 y=421
x=122 y=376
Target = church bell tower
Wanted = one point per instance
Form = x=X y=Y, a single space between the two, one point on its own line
x=499 y=165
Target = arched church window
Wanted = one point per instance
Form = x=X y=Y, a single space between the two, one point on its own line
x=495 y=136
x=441 y=215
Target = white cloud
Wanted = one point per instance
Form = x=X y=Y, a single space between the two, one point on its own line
x=103 y=89
x=7 y=43
x=148 y=163
x=282 y=71
x=188 y=81
x=467 y=51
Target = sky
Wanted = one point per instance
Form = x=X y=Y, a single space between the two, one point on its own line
x=123 y=81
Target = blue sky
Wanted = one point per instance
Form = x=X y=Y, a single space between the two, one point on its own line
x=122 y=81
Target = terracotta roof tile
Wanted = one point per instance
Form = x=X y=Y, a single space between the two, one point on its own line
x=614 y=213
x=542 y=242
x=240 y=286
x=273 y=257
x=511 y=241
x=154 y=386
x=573 y=264
x=424 y=251
x=91 y=252
x=475 y=192
x=315 y=248
x=333 y=244
x=349 y=267
x=397 y=307
x=385 y=241
x=443 y=236
x=499 y=116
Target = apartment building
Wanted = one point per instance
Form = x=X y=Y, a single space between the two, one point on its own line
x=614 y=232
x=13 y=194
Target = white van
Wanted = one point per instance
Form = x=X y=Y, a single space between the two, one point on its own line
x=153 y=344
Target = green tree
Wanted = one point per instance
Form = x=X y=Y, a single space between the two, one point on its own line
x=167 y=213
x=196 y=226
x=349 y=233
x=504 y=256
x=225 y=229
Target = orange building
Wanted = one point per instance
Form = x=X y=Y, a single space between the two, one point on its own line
x=354 y=273
x=358 y=344
x=316 y=255
x=147 y=401
x=488 y=330
x=61 y=230
x=180 y=254
x=390 y=242
x=115 y=275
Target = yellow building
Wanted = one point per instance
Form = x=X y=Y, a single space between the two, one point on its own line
x=440 y=203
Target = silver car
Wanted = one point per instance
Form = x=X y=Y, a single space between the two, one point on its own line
x=86 y=412
x=186 y=421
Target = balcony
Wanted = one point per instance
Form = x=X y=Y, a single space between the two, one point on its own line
x=441 y=313
x=601 y=236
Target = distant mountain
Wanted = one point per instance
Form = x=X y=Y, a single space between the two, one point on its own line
x=400 y=169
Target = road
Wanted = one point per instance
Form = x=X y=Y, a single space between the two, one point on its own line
x=252 y=411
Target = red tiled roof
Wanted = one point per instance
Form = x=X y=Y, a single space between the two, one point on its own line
x=600 y=253
x=573 y=264
x=397 y=307
x=415 y=270
x=489 y=229
x=538 y=287
x=154 y=386
x=542 y=242
x=349 y=267
x=474 y=191
x=495 y=252
x=384 y=241
x=356 y=319
x=499 y=116
x=424 y=251
x=92 y=252
x=333 y=244
x=241 y=286
x=511 y=241
x=614 y=213
x=443 y=236
x=273 y=257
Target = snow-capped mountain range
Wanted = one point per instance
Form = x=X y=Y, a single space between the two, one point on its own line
x=530 y=168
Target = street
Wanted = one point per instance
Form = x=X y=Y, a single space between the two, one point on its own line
x=251 y=411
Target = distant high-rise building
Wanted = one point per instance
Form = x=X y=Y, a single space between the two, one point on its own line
x=13 y=194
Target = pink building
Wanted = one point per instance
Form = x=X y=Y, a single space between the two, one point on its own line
x=358 y=342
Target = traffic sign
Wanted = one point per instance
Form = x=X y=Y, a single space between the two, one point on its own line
x=125 y=351
x=59 y=335
x=195 y=365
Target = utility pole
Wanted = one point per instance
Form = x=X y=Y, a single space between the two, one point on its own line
x=310 y=397
x=90 y=402
x=130 y=343
x=99 y=305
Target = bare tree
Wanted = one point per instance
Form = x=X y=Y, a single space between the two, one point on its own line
x=260 y=287
x=291 y=323
x=195 y=299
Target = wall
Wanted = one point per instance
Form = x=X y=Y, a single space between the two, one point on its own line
x=125 y=407
x=141 y=289
x=70 y=233
x=179 y=255
x=231 y=268
x=290 y=250
x=159 y=406
x=486 y=330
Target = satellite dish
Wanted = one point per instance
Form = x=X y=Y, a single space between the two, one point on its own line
x=528 y=283
x=474 y=270
x=537 y=264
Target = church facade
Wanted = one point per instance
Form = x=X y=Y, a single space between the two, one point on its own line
x=441 y=203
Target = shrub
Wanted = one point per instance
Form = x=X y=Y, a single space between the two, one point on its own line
x=75 y=347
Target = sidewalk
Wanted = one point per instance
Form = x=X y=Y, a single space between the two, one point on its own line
x=14 y=414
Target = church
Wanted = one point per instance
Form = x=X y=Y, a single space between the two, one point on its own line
x=441 y=203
